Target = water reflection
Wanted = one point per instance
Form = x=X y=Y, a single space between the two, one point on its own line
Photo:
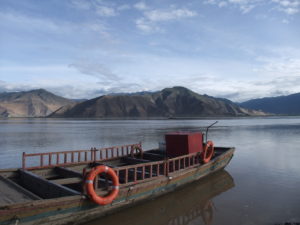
x=192 y=203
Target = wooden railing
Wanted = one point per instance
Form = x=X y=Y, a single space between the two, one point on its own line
x=134 y=173
x=183 y=162
x=52 y=159
x=140 y=172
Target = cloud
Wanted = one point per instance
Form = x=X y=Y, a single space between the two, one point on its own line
x=123 y=7
x=168 y=15
x=149 y=23
x=12 y=87
x=105 y=11
x=222 y=4
x=140 y=6
x=281 y=67
x=243 y=90
x=290 y=11
x=245 y=6
x=289 y=7
x=79 y=4
x=95 y=69
x=30 y=23
x=100 y=8
x=147 y=26
x=35 y=31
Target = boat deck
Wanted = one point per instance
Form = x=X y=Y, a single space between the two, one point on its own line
x=10 y=193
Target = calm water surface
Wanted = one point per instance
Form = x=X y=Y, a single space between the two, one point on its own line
x=261 y=185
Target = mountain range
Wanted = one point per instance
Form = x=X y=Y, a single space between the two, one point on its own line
x=282 y=105
x=176 y=102
x=35 y=103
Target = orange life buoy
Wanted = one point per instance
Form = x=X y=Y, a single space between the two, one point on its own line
x=138 y=149
x=208 y=151
x=89 y=185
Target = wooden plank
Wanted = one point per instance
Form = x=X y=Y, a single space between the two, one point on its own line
x=44 y=188
x=152 y=156
x=133 y=161
x=66 y=172
x=64 y=181
x=10 y=192
x=109 y=164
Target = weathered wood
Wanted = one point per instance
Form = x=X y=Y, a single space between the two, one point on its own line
x=44 y=188
x=153 y=156
x=64 y=181
x=71 y=156
x=10 y=192
x=66 y=172
x=131 y=160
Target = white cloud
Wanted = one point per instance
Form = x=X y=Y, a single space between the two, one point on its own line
x=290 y=11
x=123 y=7
x=147 y=26
x=288 y=3
x=140 y=6
x=101 y=8
x=79 y=4
x=105 y=11
x=95 y=69
x=28 y=23
x=281 y=67
x=289 y=7
x=246 y=8
x=149 y=23
x=285 y=21
x=167 y=15
x=222 y=4
x=274 y=77
x=47 y=26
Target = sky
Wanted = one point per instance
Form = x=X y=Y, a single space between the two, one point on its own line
x=235 y=49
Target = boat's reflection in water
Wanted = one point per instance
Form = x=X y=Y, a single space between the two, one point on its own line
x=191 y=203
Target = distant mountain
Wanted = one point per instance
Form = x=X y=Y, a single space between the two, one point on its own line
x=170 y=102
x=78 y=100
x=133 y=93
x=285 y=105
x=35 y=103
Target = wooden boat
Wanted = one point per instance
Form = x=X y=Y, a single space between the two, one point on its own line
x=78 y=186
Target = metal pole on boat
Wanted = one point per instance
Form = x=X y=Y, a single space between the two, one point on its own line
x=23 y=160
x=206 y=133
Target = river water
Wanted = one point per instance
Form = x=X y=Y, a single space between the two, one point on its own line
x=261 y=185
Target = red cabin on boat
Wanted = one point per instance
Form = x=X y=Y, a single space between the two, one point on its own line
x=183 y=143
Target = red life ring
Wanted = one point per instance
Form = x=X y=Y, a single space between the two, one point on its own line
x=89 y=185
x=208 y=151
x=138 y=149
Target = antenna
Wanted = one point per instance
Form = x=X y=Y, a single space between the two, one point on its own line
x=206 y=133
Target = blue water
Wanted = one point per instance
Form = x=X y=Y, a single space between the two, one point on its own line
x=265 y=168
